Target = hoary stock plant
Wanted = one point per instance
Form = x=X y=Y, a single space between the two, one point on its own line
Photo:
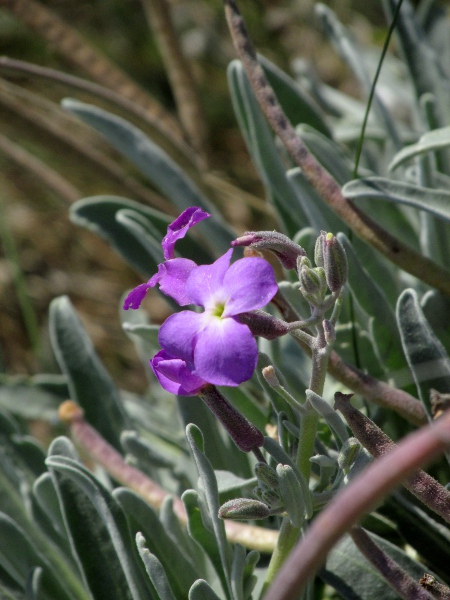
x=312 y=389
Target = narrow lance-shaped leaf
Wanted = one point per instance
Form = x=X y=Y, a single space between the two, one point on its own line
x=429 y=142
x=99 y=214
x=102 y=545
x=154 y=163
x=436 y=202
x=264 y=151
x=195 y=439
x=427 y=358
x=89 y=383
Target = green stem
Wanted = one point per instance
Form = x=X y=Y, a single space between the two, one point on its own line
x=286 y=541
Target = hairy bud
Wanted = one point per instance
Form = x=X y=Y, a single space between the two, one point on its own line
x=284 y=249
x=244 y=508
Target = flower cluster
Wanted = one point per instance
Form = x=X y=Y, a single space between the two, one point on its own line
x=211 y=347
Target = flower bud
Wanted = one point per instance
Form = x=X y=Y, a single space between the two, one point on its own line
x=266 y=475
x=334 y=261
x=292 y=495
x=313 y=283
x=270 y=376
x=263 y=324
x=319 y=250
x=244 y=434
x=284 y=249
x=244 y=508
x=272 y=498
x=349 y=453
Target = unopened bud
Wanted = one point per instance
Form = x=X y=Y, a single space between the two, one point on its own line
x=313 y=282
x=272 y=499
x=244 y=434
x=349 y=453
x=263 y=324
x=270 y=376
x=284 y=249
x=319 y=250
x=266 y=475
x=244 y=508
x=334 y=261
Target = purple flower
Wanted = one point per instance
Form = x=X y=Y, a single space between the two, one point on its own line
x=175 y=376
x=214 y=345
x=178 y=229
x=172 y=273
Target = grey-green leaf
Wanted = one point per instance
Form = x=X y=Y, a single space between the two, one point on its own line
x=154 y=163
x=89 y=383
x=98 y=533
x=99 y=214
x=429 y=142
x=437 y=202
x=155 y=570
x=426 y=356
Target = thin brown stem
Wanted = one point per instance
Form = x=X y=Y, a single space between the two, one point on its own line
x=48 y=176
x=80 y=53
x=95 y=89
x=180 y=75
x=395 y=250
x=352 y=502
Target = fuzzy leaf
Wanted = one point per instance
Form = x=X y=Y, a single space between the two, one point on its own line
x=19 y=556
x=154 y=163
x=98 y=533
x=99 y=214
x=297 y=105
x=201 y=590
x=89 y=383
x=354 y=578
x=209 y=483
x=427 y=358
x=263 y=150
x=429 y=142
x=179 y=572
x=155 y=570
x=436 y=202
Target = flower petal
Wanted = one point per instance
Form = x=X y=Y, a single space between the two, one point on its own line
x=174 y=376
x=250 y=284
x=178 y=334
x=225 y=352
x=173 y=277
x=135 y=297
x=178 y=229
x=204 y=285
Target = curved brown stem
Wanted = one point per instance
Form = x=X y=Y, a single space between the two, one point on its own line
x=395 y=250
